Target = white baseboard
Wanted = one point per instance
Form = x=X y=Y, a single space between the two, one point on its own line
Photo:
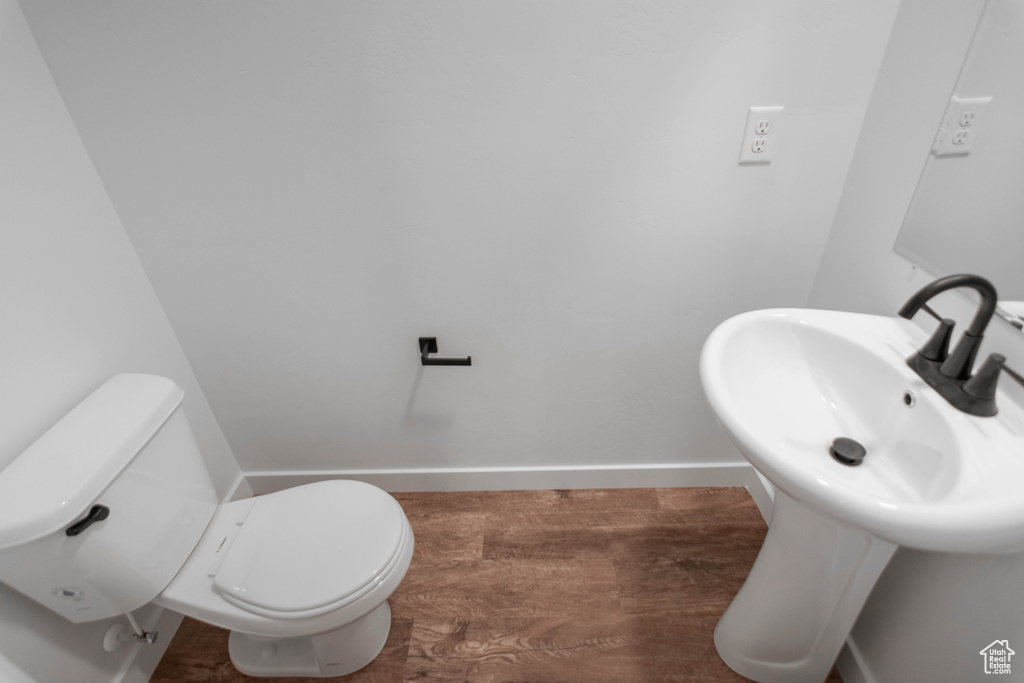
x=240 y=489
x=522 y=478
x=851 y=664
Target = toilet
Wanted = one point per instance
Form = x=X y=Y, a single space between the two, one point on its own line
x=113 y=508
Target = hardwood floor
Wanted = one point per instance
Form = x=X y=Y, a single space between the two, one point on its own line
x=543 y=586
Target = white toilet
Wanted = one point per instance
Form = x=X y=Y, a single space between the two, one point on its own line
x=113 y=508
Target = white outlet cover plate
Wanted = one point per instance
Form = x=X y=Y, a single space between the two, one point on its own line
x=960 y=126
x=758 y=147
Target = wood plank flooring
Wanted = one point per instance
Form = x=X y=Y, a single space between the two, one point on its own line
x=544 y=586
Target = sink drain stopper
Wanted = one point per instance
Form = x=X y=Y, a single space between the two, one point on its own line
x=847 y=451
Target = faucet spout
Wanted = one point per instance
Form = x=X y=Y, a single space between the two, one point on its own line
x=983 y=287
x=950 y=374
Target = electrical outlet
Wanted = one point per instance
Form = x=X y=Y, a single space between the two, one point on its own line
x=760 y=136
x=959 y=127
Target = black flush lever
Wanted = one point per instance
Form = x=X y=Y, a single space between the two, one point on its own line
x=96 y=514
x=428 y=345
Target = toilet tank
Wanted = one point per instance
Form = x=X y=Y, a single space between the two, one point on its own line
x=127 y=447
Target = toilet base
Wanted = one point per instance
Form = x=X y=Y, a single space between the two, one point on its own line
x=334 y=653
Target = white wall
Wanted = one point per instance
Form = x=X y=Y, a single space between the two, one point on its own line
x=549 y=187
x=929 y=615
x=76 y=308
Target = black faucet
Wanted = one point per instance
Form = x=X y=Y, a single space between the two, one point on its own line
x=950 y=373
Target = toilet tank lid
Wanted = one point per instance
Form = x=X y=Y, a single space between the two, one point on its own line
x=52 y=483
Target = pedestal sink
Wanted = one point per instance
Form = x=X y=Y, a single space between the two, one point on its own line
x=785 y=384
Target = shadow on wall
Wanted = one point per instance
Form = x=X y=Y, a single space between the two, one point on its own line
x=421 y=419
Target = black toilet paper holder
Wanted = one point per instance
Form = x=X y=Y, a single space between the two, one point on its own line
x=428 y=345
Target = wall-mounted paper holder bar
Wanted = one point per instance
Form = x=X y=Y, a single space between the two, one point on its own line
x=428 y=345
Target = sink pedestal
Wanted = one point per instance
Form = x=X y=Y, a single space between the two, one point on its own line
x=801 y=598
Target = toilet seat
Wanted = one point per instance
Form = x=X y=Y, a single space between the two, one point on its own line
x=310 y=550
x=192 y=591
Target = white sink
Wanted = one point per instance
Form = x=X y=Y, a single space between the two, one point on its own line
x=784 y=384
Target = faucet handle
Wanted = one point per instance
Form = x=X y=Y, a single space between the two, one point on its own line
x=1014 y=374
x=937 y=347
x=931 y=311
x=983 y=384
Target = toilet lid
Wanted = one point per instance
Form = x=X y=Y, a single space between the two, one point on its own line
x=311 y=546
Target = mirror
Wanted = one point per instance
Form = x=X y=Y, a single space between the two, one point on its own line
x=967 y=214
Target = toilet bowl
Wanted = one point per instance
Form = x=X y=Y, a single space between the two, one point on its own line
x=114 y=508
x=300 y=577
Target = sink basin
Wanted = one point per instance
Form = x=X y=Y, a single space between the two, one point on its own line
x=786 y=382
